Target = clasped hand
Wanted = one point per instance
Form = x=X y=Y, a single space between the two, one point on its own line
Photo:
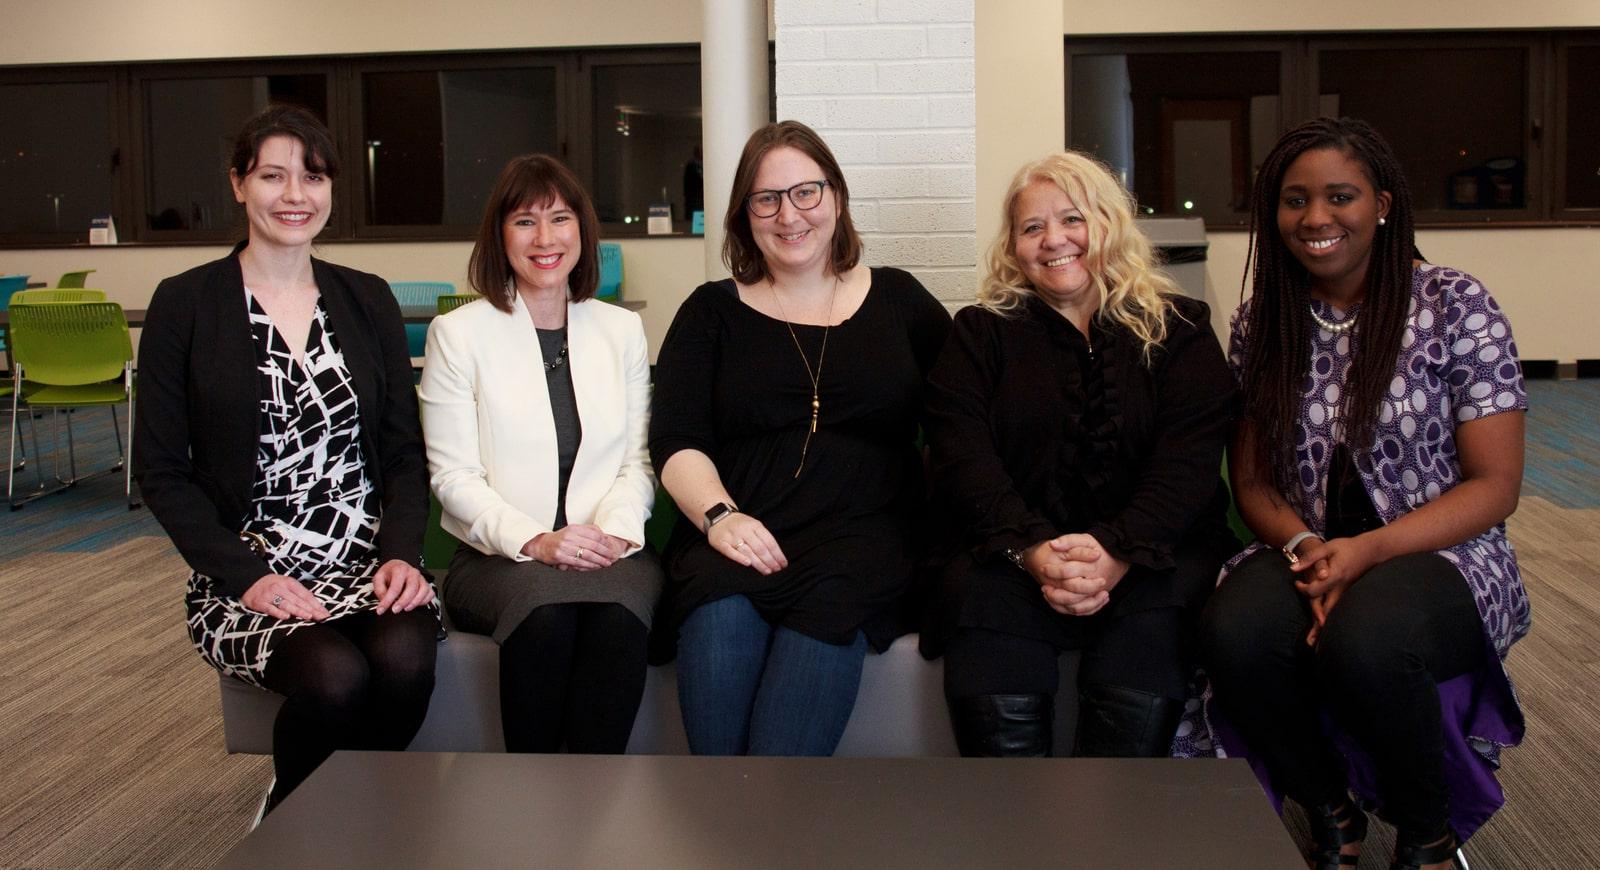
x=1326 y=570
x=398 y=586
x=576 y=547
x=1075 y=574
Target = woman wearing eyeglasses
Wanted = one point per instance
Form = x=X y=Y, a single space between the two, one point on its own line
x=784 y=425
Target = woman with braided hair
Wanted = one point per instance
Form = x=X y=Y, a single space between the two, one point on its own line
x=1358 y=644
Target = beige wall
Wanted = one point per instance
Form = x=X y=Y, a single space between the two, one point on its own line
x=94 y=31
x=1541 y=276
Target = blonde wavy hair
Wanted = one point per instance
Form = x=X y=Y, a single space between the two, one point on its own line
x=1124 y=274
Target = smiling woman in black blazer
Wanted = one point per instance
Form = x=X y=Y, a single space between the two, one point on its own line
x=278 y=444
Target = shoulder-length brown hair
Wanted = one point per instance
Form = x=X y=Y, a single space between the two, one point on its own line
x=739 y=251
x=532 y=179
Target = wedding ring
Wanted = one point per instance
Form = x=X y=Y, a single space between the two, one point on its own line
x=580 y=552
x=277 y=600
x=738 y=544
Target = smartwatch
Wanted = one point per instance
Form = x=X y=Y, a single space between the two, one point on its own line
x=717 y=513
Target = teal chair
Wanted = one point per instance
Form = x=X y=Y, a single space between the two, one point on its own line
x=9 y=284
x=417 y=299
x=74 y=279
x=70 y=355
x=610 y=271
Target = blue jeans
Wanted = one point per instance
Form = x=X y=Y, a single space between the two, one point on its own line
x=747 y=688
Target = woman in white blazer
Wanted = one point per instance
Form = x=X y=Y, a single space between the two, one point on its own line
x=535 y=408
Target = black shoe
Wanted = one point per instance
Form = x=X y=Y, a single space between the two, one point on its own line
x=1333 y=826
x=1003 y=726
x=1117 y=722
x=1413 y=857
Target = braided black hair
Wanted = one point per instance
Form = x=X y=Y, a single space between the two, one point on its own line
x=1277 y=355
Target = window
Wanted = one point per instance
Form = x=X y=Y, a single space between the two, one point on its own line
x=1188 y=120
x=421 y=139
x=56 y=158
x=187 y=136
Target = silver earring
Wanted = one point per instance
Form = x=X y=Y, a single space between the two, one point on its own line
x=1381 y=222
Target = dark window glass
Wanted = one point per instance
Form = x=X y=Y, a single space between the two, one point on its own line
x=1185 y=129
x=647 y=141
x=1583 y=127
x=189 y=128
x=434 y=141
x=1456 y=117
x=55 y=157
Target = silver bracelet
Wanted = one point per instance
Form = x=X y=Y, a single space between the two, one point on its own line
x=1288 y=549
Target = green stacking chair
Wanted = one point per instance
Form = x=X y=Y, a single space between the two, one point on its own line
x=35 y=297
x=8 y=390
x=451 y=301
x=74 y=279
x=419 y=298
x=68 y=355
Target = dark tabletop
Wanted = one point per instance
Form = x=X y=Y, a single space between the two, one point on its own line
x=481 y=810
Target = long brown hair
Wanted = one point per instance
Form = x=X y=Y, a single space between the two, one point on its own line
x=532 y=179
x=739 y=251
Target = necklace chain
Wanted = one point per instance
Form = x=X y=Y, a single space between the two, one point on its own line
x=1337 y=328
x=561 y=357
x=814 y=374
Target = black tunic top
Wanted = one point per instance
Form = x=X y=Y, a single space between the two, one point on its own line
x=730 y=383
x=1032 y=436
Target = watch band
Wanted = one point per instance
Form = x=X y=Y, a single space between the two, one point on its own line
x=1015 y=556
x=1288 y=549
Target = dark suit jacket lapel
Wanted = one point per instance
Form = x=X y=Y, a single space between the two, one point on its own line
x=231 y=362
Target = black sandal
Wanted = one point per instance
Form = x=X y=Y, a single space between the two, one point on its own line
x=1333 y=826
x=1413 y=857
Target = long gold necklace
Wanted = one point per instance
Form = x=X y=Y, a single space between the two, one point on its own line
x=814 y=374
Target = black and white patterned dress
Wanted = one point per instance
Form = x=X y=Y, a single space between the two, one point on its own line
x=313 y=502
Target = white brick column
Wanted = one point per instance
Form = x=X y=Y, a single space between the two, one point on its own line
x=889 y=85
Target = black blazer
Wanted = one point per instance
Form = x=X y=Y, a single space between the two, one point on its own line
x=198 y=417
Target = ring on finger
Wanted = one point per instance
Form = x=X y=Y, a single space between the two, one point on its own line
x=580 y=552
x=277 y=600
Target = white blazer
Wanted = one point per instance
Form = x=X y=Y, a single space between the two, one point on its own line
x=492 y=441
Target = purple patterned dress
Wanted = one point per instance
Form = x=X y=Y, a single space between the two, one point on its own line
x=1457 y=363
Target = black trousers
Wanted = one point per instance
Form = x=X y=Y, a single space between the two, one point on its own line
x=359 y=682
x=573 y=675
x=1407 y=625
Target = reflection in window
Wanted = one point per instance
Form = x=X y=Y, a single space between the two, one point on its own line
x=190 y=124
x=647 y=141
x=1583 y=127
x=1456 y=118
x=1186 y=130
x=434 y=141
x=55 y=156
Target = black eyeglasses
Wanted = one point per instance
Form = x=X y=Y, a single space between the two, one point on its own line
x=804 y=196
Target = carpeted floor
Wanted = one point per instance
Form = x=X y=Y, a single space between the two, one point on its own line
x=111 y=746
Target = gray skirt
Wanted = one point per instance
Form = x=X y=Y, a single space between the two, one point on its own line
x=492 y=594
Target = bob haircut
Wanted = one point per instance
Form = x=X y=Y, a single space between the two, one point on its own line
x=281 y=119
x=739 y=251
x=532 y=180
x=1129 y=289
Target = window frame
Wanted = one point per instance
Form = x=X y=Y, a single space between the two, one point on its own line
x=1300 y=58
x=127 y=104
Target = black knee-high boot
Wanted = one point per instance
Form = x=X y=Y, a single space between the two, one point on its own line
x=1117 y=722
x=1003 y=726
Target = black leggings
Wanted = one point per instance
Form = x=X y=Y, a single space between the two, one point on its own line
x=572 y=674
x=359 y=682
x=1147 y=650
x=1407 y=625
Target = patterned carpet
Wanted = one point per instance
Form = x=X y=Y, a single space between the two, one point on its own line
x=111 y=746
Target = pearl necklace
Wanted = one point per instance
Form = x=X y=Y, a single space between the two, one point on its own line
x=1335 y=328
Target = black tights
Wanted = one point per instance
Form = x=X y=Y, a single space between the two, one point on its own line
x=359 y=682
x=1407 y=625
x=572 y=674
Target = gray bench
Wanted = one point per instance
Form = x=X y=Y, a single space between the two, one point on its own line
x=899 y=712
